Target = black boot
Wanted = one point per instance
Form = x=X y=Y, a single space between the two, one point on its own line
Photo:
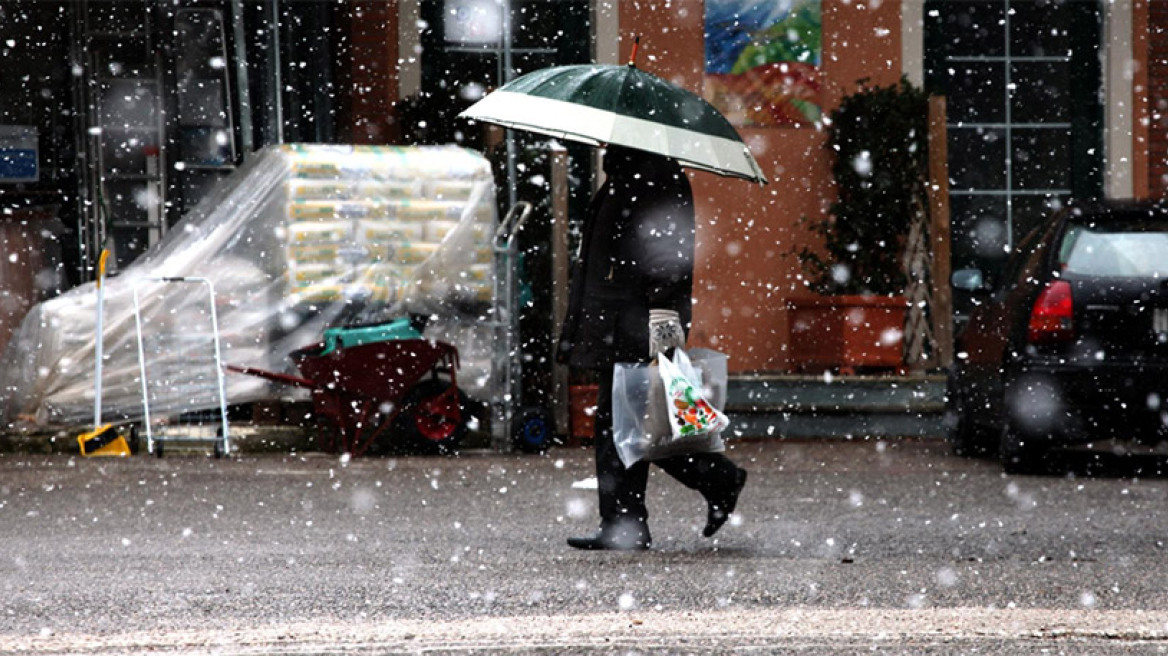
x=624 y=535
x=719 y=511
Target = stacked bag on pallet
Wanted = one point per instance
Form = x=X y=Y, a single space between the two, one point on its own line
x=369 y=233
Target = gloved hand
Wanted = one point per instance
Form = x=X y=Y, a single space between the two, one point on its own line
x=665 y=332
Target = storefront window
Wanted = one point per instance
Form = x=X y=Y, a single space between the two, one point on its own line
x=1022 y=79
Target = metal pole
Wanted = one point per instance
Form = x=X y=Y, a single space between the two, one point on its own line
x=241 y=80
x=99 y=342
x=218 y=367
x=142 y=372
x=508 y=74
x=559 y=249
x=278 y=100
x=82 y=102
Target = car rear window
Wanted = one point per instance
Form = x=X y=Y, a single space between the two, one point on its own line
x=1122 y=250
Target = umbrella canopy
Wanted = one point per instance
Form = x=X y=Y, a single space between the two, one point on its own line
x=620 y=104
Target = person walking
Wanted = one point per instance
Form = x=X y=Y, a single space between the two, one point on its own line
x=631 y=298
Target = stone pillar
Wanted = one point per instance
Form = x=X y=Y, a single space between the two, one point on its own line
x=1157 y=99
x=374 y=73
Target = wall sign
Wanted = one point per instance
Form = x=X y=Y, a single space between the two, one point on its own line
x=19 y=156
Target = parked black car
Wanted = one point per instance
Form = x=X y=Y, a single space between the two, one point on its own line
x=1071 y=344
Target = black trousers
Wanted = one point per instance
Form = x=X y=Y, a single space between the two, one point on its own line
x=622 y=491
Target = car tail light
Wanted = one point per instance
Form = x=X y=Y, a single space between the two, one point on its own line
x=1052 y=319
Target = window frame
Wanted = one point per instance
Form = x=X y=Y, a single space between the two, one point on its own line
x=1083 y=123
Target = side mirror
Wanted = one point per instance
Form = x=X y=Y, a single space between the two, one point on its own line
x=969 y=280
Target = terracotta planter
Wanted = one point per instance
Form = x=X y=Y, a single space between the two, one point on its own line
x=846 y=333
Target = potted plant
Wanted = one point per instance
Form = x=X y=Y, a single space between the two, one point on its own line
x=855 y=317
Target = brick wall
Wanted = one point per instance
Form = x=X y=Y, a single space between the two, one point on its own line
x=374 y=73
x=1158 y=98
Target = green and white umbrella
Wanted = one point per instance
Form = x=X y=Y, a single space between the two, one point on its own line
x=620 y=104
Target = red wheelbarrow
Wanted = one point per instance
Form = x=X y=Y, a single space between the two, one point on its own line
x=405 y=386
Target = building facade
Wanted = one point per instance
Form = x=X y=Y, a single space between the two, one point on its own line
x=132 y=109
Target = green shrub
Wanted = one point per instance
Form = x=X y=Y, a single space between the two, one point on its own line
x=879 y=137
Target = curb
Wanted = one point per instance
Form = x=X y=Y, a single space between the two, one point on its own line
x=245 y=438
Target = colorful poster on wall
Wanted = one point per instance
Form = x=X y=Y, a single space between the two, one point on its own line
x=763 y=61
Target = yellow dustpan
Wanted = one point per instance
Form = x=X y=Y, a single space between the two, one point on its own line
x=104 y=441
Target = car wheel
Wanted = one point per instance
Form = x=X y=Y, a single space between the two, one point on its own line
x=1018 y=454
x=962 y=433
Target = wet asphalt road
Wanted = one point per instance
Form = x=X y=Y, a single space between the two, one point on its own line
x=837 y=547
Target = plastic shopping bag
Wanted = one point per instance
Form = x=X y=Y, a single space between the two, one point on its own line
x=690 y=413
x=641 y=416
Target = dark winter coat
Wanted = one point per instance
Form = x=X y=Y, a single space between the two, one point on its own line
x=636 y=254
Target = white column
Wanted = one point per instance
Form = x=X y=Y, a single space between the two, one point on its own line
x=912 y=40
x=1119 y=67
x=605 y=50
x=606 y=32
x=409 y=45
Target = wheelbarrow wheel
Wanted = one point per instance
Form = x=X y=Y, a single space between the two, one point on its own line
x=433 y=418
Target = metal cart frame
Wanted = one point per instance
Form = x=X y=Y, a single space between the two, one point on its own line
x=505 y=360
x=154 y=442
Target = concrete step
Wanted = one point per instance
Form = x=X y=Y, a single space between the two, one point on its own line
x=798 y=406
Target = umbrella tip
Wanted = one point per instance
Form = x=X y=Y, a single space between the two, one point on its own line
x=633 y=54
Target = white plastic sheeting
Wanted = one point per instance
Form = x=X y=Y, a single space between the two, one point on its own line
x=299 y=239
